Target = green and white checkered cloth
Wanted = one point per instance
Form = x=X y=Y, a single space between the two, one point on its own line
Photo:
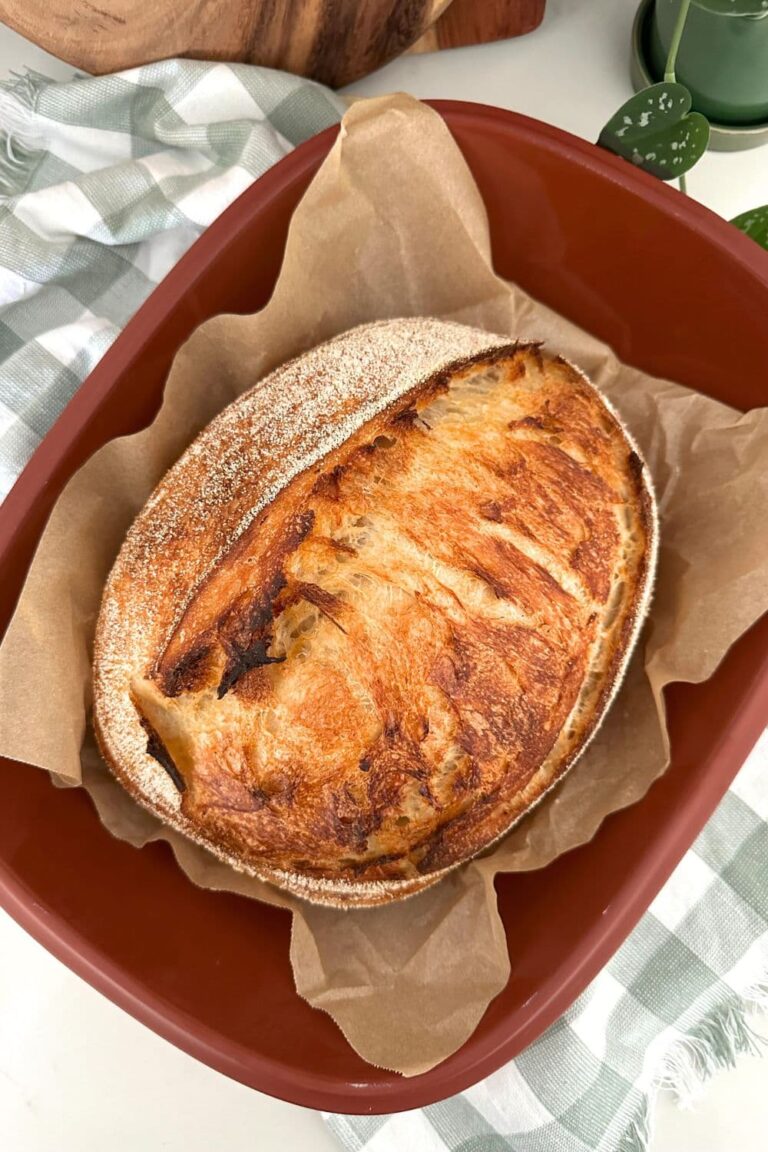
x=107 y=182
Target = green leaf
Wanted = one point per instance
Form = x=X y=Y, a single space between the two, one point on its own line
x=657 y=130
x=755 y=224
x=734 y=7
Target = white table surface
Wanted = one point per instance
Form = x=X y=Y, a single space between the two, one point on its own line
x=79 y=1075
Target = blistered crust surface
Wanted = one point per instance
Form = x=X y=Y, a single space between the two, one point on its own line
x=377 y=609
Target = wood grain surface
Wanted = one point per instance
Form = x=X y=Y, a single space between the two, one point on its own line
x=478 y=21
x=334 y=41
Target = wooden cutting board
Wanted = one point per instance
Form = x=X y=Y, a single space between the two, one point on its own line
x=334 y=41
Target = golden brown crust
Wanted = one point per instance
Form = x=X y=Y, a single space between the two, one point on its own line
x=365 y=668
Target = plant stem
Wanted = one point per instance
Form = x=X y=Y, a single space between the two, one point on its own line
x=677 y=35
x=674 y=44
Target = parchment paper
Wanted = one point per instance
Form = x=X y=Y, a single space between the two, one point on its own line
x=393 y=225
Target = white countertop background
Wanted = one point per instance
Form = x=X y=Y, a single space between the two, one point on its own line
x=79 y=1075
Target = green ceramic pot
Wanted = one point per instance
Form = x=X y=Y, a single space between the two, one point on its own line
x=723 y=60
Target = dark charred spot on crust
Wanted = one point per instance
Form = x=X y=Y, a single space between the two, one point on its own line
x=158 y=751
x=241 y=661
x=491 y=510
x=242 y=630
x=188 y=670
x=365 y=764
x=409 y=418
x=635 y=465
x=245 y=634
x=249 y=617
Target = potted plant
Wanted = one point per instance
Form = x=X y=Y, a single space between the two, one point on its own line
x=659 y=128
x=722 y=59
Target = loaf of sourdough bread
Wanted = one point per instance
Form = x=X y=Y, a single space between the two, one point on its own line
x=377 y=609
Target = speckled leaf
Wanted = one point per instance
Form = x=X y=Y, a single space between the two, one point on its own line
x=755 y=224
x=656 y=130
x=734 y=7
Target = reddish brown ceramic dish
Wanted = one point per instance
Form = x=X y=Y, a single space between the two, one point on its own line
x=572 y=241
